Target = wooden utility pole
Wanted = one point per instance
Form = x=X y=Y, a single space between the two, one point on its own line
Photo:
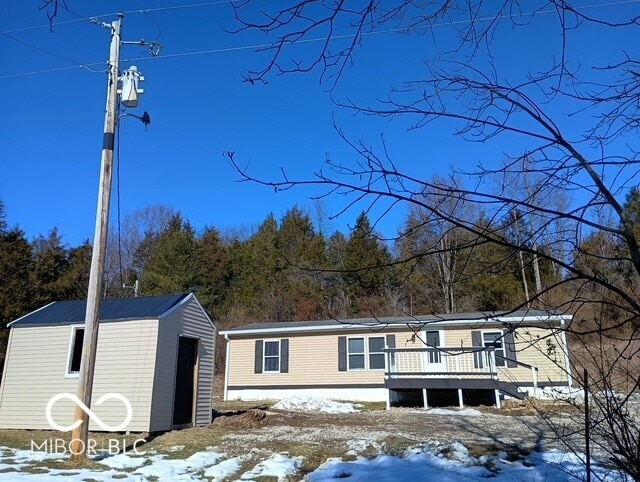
x=92 y=318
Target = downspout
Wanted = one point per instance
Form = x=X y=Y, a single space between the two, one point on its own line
x=566 y=355
x=226 y=368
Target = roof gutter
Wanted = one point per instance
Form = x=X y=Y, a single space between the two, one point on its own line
x=382 y=325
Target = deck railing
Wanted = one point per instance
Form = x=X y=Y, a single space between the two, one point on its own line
x=432 y=362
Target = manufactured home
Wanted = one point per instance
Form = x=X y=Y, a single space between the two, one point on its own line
x=156 y=351
x=453 y=359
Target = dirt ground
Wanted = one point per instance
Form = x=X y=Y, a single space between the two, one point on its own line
x=318 y=436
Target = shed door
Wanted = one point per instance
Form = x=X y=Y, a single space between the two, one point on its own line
x=185 y=381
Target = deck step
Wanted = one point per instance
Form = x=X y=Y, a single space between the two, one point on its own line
x=511 y=389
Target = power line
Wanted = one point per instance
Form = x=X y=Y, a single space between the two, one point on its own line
x=47 y=52
x=126 y=12
x=303 y=41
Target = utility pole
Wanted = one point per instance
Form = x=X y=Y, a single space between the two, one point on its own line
x=87 y=365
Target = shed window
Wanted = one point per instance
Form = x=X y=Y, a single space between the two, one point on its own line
x=75 y=357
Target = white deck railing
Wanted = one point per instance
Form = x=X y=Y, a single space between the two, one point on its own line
x=447 y=363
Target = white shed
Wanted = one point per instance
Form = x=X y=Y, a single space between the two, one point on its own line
x=157 y=351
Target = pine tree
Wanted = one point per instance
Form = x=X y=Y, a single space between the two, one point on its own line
x=171 y=268
x=366 y=267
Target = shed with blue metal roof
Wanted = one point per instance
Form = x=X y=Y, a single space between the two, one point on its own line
x=155 y=351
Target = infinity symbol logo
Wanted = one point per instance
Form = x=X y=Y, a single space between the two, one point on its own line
x=87 y=410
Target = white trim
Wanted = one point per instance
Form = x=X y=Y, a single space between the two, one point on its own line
x=502 y=342
x=72 y=338
x=174 y=307
x=226 y=369
x=366 y=353
x=264 y=356
x=346 y=394
x=30 y=313
x=566 y=357
x=395 y=325
x=6 y=365
x=442 y=366
x=189 y=297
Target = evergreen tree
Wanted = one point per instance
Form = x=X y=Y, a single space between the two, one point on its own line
x=214 y=269
x=15 y=264
x=366 y=267
x=50 y=262
x=171 y=268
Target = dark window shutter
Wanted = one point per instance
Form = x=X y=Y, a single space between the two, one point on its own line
x=257 y=367
x=510 y=348
x=476 y=342
x=342 y=353
x=391 y=341
x=284 y=355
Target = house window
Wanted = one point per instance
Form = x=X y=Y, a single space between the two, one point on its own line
x=376 y=355
x=356 y=353
x=494 y=339
x=272 y=356
x=365 y=353
x=75 y=351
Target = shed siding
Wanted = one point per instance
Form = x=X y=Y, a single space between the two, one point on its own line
x=187 y=320
x=36 y=370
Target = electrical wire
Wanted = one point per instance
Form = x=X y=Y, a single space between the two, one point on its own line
x=118 y=117
x=301 y=41
x=47 y=52
x=126 y=12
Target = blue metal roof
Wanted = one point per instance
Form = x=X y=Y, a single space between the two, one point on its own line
x=68 y=312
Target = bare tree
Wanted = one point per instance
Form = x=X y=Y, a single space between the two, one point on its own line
x=573 y=118
x=124 y=260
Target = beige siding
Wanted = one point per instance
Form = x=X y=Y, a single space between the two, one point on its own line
x=187 y=320
x=531 y=348
x=313 y=360
x=36 y=368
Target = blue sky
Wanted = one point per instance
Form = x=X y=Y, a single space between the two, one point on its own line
x=52 y=122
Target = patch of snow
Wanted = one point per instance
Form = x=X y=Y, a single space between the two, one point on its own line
x=556 y=393
x=279 y=466
x=314 y=404
x=466 y=412
x=357 y=446
x=176 y=448
x=22 y=456
x=123 y=461
x=226 y=468
x=164 y=468
x=452 y=463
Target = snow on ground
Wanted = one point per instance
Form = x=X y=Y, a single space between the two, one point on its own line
x=454 y=464
x=445 y=463
x=275 y=466
x=467 y=412
x=314 y=404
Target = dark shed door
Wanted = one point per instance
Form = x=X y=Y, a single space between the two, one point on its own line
x=185 y=381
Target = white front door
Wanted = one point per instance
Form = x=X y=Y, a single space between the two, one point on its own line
x=433 y=360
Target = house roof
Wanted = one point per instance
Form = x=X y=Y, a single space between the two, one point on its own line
x=69 y=312
x=452 y=319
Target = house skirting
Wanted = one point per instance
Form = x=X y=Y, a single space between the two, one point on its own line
x=358 y=393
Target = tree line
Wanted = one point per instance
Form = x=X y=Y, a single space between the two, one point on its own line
x=288 y=269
